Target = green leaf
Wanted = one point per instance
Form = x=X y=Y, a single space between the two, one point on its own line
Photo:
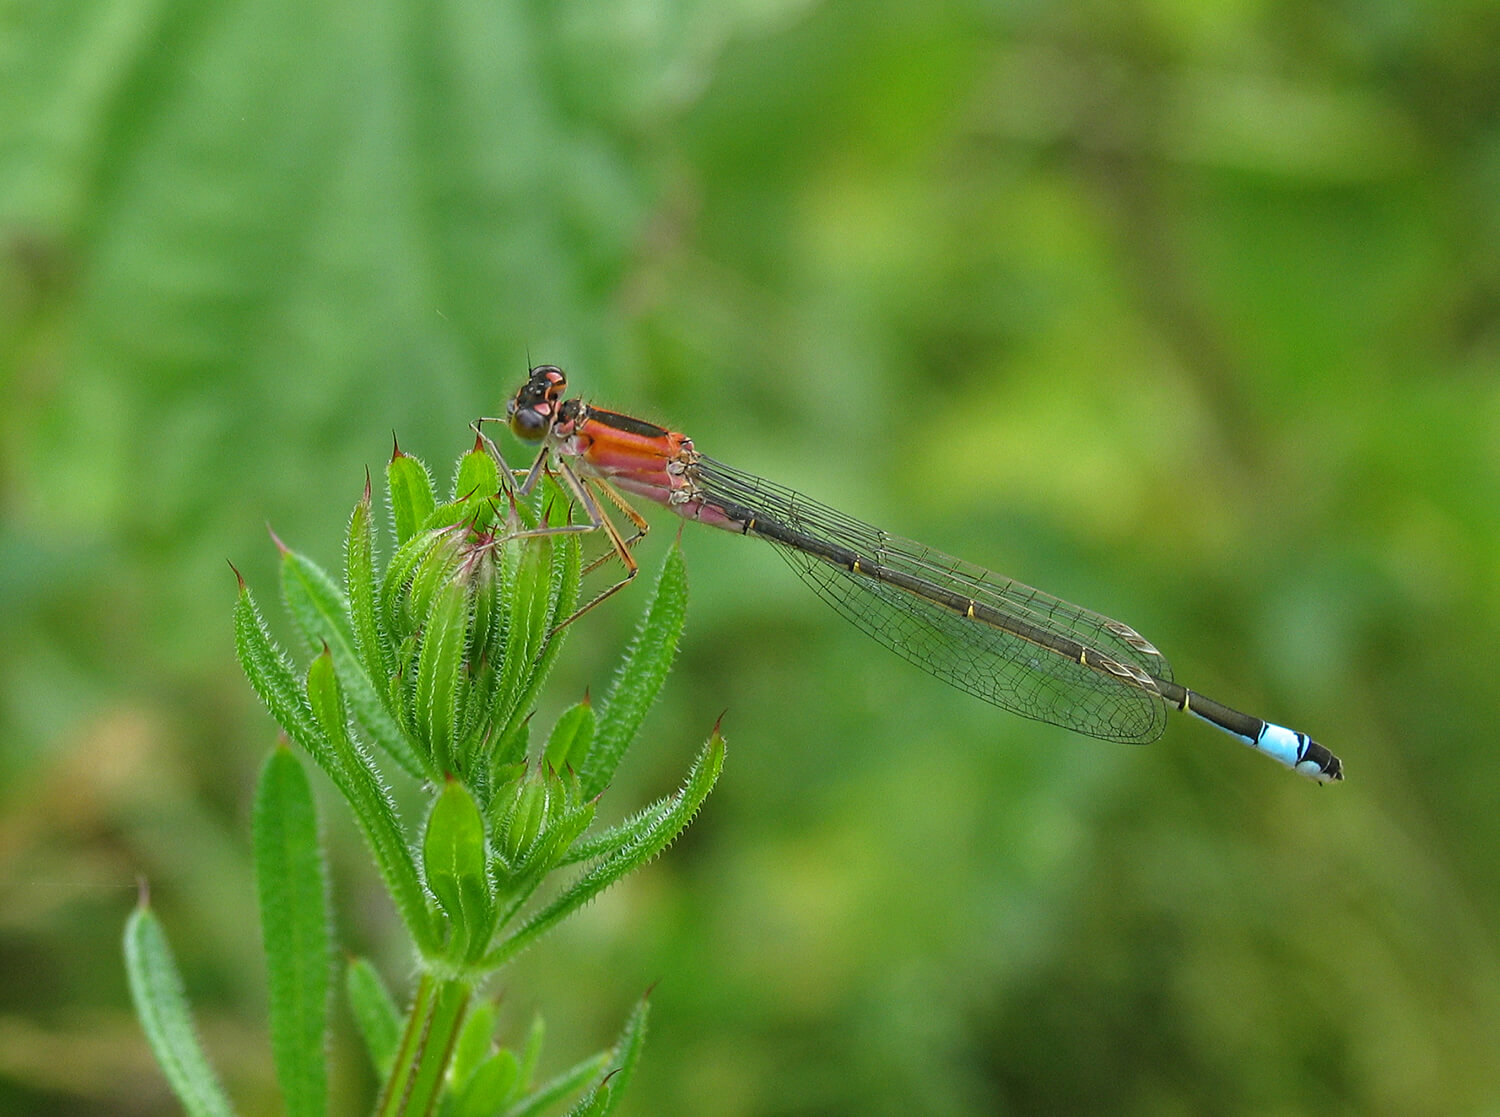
x=488 y=641
x=161 y=1005
x=571 y=737
x=623 y=1057
x=322 y=614
x=475 y=483
x=271 y=675
x=591 y=1104
x=370 y=641
x=451 y=514
x=520 y=823
x=619 y=836
x=394 y=601
x=662 y=830
x=567 y=572
x=294 y=923
x=489 y=1088
x=641 y=675
x=434 y=574
x=356 y=777
x=412 y=497
x=475 y=1039
x=510 y=750
x=531 y=1051
x=627 y=1052
x=441 y=672
x=453 y=854
x=563 y=582
x=374 y=1013
x=527 y=593
x=552 y=1091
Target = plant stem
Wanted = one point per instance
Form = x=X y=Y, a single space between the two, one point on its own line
x=416 y=1077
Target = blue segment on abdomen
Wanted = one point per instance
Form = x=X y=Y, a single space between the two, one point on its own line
x=1284 y=744
x=1275 y=741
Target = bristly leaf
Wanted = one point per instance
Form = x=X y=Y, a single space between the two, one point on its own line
x=371 y=642
x=526 y=593
x=412 y=497
x=566 y=574
x=571 y=737
x=475 y=483
x=441 y=672
x=453 y=854
x=617 y=837
x=510 y=748
x=294 y=922
x=161 y=1005
x=271 y=675
x=552 y=1091
x=393 y=600
x=662 y=830
x=640 y=677
x=624 y=1056
x=374 y=1013
x=357 y=778
x=322 y=614
x=433 y=574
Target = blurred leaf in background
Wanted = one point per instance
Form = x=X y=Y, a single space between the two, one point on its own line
x=1188 y=313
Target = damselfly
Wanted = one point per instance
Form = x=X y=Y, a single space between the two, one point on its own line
x=1009 y=644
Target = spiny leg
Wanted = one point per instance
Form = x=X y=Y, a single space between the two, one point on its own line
x=597 y=521
x=636 y=519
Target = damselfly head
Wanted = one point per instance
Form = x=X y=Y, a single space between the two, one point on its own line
x=533 y=409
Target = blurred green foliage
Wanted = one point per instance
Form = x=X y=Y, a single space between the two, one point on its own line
x=1189 y=313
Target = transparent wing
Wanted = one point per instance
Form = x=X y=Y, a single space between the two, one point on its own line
x=986 y=661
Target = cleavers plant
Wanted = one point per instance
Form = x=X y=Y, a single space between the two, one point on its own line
x=427 y=671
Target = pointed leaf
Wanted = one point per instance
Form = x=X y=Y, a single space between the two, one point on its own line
x=294 y=923
x=552 y=1091
x=453 y=854
x=370 y=641
x=654 y=838
x=441 y=673
x=433 y=575
x=374 y=1013
x=412 y=498
x=619 y=836
x=511 y=748
x=563 y=582
x=527 y=593
x=322 y=614
x=640 y=677
x=161 y=1005
x=475 y=483
x=623 y=1057
x=271 y=675
x=393 y=600
x=571 y=737
x=356 y=777
x=531 y=1050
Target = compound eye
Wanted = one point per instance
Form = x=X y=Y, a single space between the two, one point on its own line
x=548 y=381
x=527 y=422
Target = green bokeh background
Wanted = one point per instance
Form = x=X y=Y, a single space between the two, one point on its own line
x=1186 y=312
